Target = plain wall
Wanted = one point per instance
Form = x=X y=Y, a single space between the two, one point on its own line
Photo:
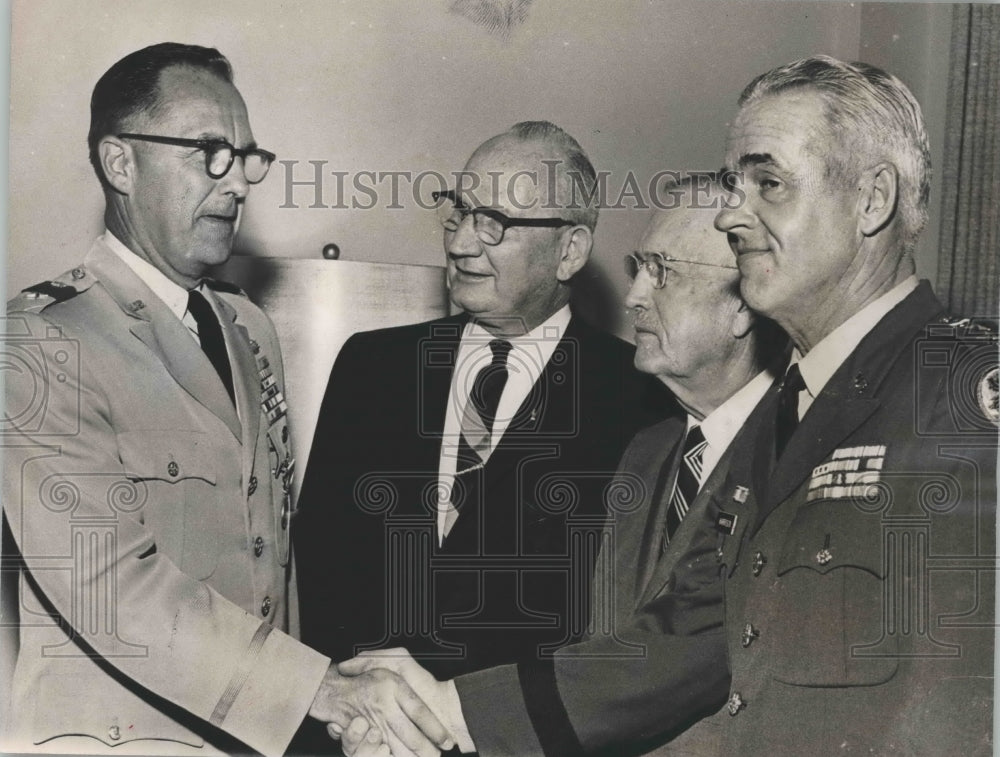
x=644 y=85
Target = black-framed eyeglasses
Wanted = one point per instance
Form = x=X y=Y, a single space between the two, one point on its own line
x=489 y=224
x=655 y=264
x=219 y=155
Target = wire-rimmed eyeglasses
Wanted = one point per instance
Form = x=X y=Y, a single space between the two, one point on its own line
x=655 y=264
x=219 y=155
x=489 y=224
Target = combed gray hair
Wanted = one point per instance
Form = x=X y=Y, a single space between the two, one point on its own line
x=574 y=168
x=872 y=116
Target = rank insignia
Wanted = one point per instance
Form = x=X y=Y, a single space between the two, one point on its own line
x=848 y=474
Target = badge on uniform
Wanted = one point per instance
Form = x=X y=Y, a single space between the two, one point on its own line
x=272 y=402
x=848 y=474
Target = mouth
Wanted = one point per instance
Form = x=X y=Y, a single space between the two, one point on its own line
x=741 y=249
x=220 y=218
x=471 y=275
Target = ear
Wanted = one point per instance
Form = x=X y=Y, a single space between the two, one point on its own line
x=878 y=194
x=574 y=252
x=116 y=160
x=743 y=321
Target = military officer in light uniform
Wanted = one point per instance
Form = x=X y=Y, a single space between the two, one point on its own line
x=860 y=592
x=147 y=468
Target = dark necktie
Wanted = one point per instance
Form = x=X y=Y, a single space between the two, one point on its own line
x=688 y=475
x=210 y=335
x=787 y=418
x=481 y=409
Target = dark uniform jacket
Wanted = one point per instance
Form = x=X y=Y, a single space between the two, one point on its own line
x=156 y=593
x=512 y=578
x=860 y=596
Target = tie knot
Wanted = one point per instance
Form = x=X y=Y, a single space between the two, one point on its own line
x=695 y=441
x=198 y=307
x=501 y=349
x=793 y=381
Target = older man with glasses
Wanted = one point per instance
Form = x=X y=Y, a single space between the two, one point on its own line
x=148 y=471
x=453 y=500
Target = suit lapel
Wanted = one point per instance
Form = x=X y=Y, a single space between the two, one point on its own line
x=650 y=529
x=164 y=334
x=709 y=500
x=848 y=399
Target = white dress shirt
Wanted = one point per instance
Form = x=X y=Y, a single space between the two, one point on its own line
x=527 y=359
x=823 y=360
x=722 y=424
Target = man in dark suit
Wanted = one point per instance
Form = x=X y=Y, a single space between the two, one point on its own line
x=647 y=668
x=453 y=501
x=147 y=468
x=859 y=604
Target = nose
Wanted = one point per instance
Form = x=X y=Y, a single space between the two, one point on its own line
x=734 y=215
x=640 y=292
x=463 y=242
x=235 y=181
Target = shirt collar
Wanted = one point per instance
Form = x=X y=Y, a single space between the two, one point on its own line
x=174 y=295
x=550 y=330
x=722 y=424
x=823 y=360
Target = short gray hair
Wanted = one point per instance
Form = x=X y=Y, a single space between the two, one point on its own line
x=574 y=168
x=873 y=116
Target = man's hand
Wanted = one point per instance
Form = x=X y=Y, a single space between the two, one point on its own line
x=388 y=703
x=361 y=740
x=440 y=696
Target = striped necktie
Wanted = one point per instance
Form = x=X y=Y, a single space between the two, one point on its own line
x=688 y=476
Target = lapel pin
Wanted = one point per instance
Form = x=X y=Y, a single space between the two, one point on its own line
x=136 y=305
x=741 y=494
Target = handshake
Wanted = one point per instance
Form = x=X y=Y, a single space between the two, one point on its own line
x=383 y=703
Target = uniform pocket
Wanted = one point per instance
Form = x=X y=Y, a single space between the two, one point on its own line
x=830 y=599
x=178 y=469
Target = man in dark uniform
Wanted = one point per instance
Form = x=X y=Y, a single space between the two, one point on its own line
x=147 y=468
x=453 y=501
x=859 y=605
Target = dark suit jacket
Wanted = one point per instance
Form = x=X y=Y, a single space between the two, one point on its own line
x=512 y=580
x=654 y=660
x=871 y=608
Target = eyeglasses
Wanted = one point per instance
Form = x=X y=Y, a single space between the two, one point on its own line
x=219 y=155
x=489 y=224
x=655 y=264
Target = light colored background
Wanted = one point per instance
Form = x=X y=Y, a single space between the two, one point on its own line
x=645 y=85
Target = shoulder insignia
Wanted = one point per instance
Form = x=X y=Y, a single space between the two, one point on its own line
x=224 y=286
x=988 y=395
x=970 y=328
x=40 y=296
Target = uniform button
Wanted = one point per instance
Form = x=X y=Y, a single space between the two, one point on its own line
x=173 y=469
x=749 y=634
x=114 y=733
x=265 y=607
x=258 y=548
x=252 y=486
x=78 y=274
x=759 y=561
x=735 y=704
